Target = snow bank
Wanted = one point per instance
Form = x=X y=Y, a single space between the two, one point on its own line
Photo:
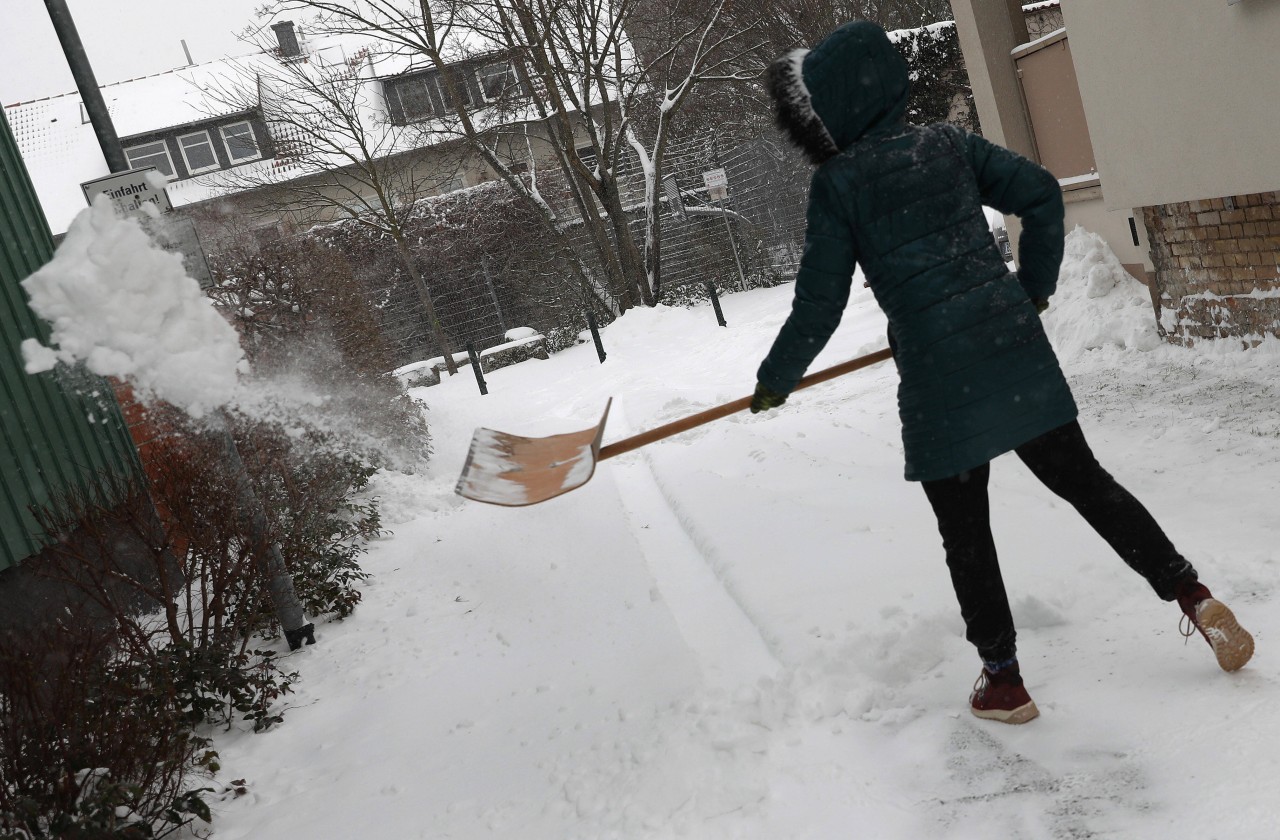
x=747 y=631
x=127 y=308
x=1098 y=303
x=518 y=333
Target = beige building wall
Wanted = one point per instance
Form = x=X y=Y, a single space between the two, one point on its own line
x=989 y=30
x=1087 y=208
x=1047 y=71
x=1048 y=77
x=1181 y=96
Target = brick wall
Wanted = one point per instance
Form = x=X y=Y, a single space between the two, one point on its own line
x=1217 y=266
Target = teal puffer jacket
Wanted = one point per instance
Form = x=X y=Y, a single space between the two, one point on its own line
x=978 y=375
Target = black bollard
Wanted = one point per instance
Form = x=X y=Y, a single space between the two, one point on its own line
x=595 y=334
x=715 y=303
x=475 y=365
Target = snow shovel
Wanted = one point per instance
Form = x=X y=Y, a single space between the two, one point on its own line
x=514 y=471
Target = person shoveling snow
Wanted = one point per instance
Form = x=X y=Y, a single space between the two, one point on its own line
x=979 y=377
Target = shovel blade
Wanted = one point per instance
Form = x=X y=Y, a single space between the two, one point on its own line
x=514 y=471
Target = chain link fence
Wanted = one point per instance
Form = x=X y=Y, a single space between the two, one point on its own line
x=750 y=239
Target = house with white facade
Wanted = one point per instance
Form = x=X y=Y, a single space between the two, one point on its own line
x=1158 y=117
x=213 y=130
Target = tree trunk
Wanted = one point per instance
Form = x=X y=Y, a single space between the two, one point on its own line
x=653 y=230
x=630 y=260
x=424 y=294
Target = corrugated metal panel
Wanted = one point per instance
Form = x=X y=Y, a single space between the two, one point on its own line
x=55 y=435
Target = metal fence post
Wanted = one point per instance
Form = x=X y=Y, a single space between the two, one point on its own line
x=266 y=551
x=493 y=294
x=715 y=303
x=595 y=334
x=475 y=365
x=733 y=245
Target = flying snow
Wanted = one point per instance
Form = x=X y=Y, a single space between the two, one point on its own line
x=126 y=308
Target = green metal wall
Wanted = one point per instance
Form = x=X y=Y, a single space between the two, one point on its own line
x=54 y=436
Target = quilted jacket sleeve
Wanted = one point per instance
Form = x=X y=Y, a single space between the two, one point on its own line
x=1015 y=185
x=822 y=288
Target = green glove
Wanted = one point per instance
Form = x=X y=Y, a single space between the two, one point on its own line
x=764 y=399
x=1041 y=305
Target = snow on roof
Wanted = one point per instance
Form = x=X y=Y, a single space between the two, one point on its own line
x=60 y=154
x=1047 y=4
x=61 y=150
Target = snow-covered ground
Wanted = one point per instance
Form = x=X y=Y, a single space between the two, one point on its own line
x=748 y=631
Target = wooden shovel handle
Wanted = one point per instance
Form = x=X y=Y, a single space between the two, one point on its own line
x=694 y=420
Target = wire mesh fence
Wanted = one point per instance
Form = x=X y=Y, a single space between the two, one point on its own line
x=751 y=238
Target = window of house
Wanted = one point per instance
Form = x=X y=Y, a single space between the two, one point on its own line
x=241 y=144
x=461 y=88
x=497 y=80
x=197 y=151
x=415 y=95
x=151 y=154
x=588 y=156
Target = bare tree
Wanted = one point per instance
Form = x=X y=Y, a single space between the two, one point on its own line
x=441 y=34
x=577 y=81
x=334 y=158
x=641 y=62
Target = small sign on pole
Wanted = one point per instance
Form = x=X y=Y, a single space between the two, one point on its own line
x=133 y=191
x=129 y=191
x=717 y=181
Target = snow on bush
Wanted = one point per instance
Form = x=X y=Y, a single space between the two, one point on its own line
x=126 y=308
x=1098 y=303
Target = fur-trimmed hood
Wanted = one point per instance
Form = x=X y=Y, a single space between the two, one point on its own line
x=853 y=83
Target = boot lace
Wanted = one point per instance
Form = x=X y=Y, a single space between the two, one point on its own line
x=1187 y=627
x=980 y=686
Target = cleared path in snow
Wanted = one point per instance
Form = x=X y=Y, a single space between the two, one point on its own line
x=778 y=655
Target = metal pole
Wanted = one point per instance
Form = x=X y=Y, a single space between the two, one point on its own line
x=279 y=582
x=284 y=599
x=733 y=245
x=94 y=105
x=595 y=334
x=488 y=279
x=475 y=365
x=715 y=303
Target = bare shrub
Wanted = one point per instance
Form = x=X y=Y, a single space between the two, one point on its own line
x=93 y=742
x=318 y=353
x=184 y=610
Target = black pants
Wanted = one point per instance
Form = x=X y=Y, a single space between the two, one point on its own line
x=1062 y=460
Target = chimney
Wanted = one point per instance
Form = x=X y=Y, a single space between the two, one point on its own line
x=288 y=39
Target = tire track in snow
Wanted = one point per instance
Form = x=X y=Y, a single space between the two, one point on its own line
x=729 y=642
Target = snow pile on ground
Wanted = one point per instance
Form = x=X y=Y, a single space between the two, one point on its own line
x=126 y=308
x=747 y=630
x=1123 y=315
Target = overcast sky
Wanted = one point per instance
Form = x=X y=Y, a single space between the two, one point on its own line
x=123 y=38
